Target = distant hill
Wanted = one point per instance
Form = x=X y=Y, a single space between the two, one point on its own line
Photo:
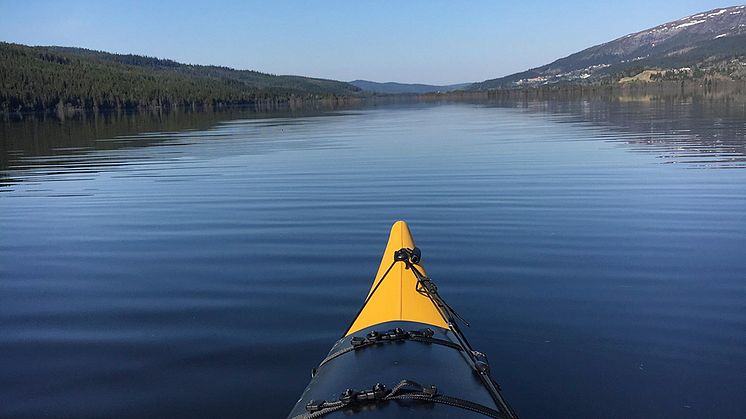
x=404 y=88
x=43 y=78
x=712 y=41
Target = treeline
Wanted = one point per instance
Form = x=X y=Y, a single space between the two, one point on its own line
x=57 y=78
x=730 y=91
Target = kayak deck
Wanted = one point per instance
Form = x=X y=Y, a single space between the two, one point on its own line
x=403 y=355
x=389 y=363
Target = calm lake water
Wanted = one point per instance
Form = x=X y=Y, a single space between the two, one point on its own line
x=199 y=265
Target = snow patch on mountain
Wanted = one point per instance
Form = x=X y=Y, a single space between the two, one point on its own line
x=694 y=22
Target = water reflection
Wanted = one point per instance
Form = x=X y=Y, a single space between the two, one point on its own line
x=43 y=145
x=695 y=131
x=197 y=265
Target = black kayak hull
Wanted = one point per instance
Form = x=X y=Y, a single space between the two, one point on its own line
x=430 y=362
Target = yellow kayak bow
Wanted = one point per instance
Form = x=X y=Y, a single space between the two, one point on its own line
x=394 y=295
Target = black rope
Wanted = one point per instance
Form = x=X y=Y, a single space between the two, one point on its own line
x=407 y=389
x=404 y=390
x=478 y=359
x=393 y=335
x=431 y=291
x=367 y=299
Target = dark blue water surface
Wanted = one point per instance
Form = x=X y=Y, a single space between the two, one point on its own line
x=198 y=265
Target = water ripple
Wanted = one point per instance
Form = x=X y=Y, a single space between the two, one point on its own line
x=171 y=266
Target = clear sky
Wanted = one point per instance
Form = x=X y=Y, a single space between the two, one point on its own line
x=408 y=41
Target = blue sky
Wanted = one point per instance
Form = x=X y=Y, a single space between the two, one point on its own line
x=414 y=41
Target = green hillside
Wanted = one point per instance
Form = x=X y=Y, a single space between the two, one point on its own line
x=44 y=78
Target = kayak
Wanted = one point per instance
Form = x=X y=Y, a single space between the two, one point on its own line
x=403 y=355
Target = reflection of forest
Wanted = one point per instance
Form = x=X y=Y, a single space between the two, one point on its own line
x=35 y=135
x=695 y=128
x=696 y=123
x=25 y=136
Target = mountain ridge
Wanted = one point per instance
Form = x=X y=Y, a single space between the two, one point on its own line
x=704 y=46
x=711 y=35
x=405 y=88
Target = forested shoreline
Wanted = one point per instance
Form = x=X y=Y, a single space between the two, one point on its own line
x=39 y=79
x=64 y=80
